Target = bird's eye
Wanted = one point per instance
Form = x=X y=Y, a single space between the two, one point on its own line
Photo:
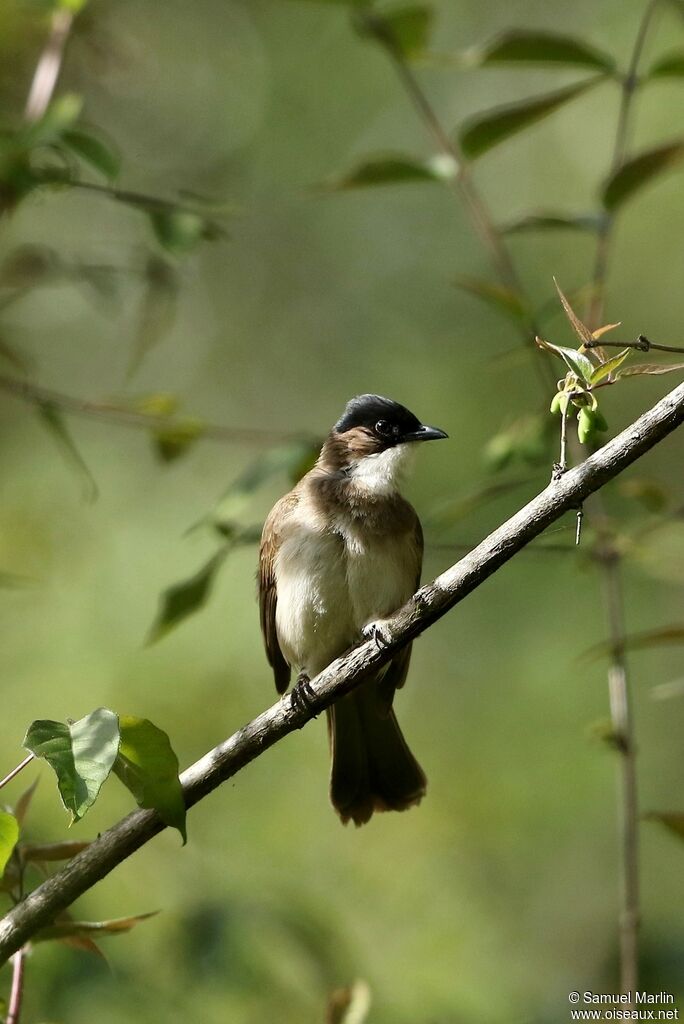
x=383 y=428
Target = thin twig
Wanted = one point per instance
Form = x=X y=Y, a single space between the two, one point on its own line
x=630 y=82
x=608 y=559
x=34 y=394
x=429 y=604
x=642 y=344
x=50 y=63
x=463 y=186
x=17 y=990
x=15 y=771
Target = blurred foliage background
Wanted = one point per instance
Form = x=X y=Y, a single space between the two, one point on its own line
x=499 y=894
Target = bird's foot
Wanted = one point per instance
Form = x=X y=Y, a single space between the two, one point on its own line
x=302 y=696
x=377 y=631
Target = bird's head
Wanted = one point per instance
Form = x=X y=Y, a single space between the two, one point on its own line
x=373 y=441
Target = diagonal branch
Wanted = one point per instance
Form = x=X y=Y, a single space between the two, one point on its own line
x=430 y=603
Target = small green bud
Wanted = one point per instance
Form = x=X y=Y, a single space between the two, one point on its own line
x=586 y=425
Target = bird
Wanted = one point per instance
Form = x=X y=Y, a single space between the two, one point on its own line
x=340 y=553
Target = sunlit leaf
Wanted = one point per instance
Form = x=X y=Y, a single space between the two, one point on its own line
x=93 y=151
x=9 y=834
x=640 y=171
x=69 y=929
x=652 y=369
x=600 y=331
x=185 y=598
x=610 y=366
x=486 y=130
x=148 y=767
x=672 y=820
x=536 y=47
x=393 y=169
x=671 y=65
x=507 y=301
x=53 y=851
x=80 y=753
x=662 y=637
x=552 y=221
x=405 y=30
x=580 y=364
x=53 y=419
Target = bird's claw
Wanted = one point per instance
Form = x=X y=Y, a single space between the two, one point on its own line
x=302 y=697
x=378 y=632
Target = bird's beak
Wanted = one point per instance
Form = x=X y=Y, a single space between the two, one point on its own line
x=425 y=433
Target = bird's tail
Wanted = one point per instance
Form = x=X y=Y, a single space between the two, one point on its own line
x=372 y=766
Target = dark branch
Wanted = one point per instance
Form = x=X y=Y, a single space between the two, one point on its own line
x=430 y=603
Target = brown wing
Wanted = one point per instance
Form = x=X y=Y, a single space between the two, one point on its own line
x=397 y=670
x=268 y=595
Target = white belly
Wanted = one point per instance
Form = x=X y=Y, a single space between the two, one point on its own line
x=329 y=587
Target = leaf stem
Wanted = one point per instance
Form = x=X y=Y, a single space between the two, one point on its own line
x=49 y=65
x=15 y=771
x=17 y=990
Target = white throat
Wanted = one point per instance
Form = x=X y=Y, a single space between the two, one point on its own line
x=383 y=472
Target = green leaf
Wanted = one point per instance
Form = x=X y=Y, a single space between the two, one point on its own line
x=59 y=116
x=81 y=754
x=184 y=599
x=9 y=835
x=94 y=152
x=178 y=231
x=52 y=418
x=610 y=366
x=148 y=767
x=580 y=364
x=669 y=66
x=393 y=169
x=78 y=929
x=639 y=171
x=552 y=221
x=507 y=301
x=484 y=131
x=672 y=820
x=662 y=637
x=406 y=30
x=176 y=439
x=531 y=47
x=21 y=808
x=652 y=369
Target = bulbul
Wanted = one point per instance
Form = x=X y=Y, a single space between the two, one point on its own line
x=338 y=553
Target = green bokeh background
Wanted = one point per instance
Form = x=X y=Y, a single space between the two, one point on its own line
x=499 y=894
